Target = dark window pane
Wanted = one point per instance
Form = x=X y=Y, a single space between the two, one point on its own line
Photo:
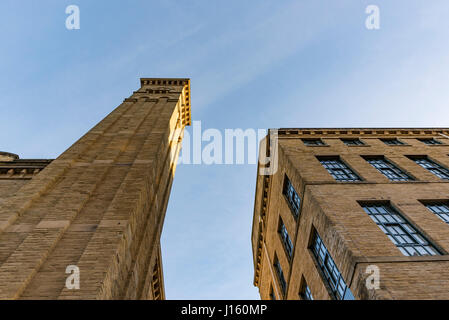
x=288 y=245
x=292 y=197
x=338 y=170
x=313 y=142
x=272 y=296
x=392 y=142
x=441 y=210
x=280 y=274
x=431 y=166
x=408 y=240
x=352 y=142
x=388 y=169
x=305 y=292
x=430 y=141
x=330 y=271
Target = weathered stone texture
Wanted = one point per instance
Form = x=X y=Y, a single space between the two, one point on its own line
x=99 y=206
x=332 y=208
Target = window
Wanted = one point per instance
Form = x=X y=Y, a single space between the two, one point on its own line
x=272 y=296
x=305 y=293
x=430 y=141
x=292 y=197
x=352 y=142
x=338 y=169
x=392 y=142
x=280 y=274
x=330 y=272
x=431 y=166
x=313 y=142
x=388 y=169
x=408 y=240
x=285 y=238
x=441 y=209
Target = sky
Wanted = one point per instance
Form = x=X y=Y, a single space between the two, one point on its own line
x=253 y=64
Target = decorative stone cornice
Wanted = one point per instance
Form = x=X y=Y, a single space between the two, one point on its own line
x=374 y=132
x=262 y=214
x=22 y=169
x=261 y=228
x=157 y=280
x=153 y=85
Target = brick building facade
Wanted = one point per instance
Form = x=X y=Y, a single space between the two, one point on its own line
x=346 y=203
x=99 y=206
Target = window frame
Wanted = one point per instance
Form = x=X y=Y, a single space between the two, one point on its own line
x=358 y=144
x=323 y=263
x=272 y=294
x=280 y=275
x=308 y=142
x=399 y=142
x=341 y=163
x=403 y=176
x=436 y=166
x=442 y=214
x=433 y=143
x=285 y=243
x=304 y=290
x=390 y=219
x=294 y=201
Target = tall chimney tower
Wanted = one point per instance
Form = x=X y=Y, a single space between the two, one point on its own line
x=88 y=226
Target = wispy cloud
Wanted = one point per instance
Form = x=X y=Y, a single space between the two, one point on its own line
x=249 y=49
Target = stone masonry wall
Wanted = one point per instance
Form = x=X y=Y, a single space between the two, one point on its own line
x=99 y=206
x=352 y=238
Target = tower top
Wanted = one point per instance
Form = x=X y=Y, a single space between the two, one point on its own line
x=174 y=82
x=165 y=81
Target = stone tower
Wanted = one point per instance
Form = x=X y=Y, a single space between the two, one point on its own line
x=97 y=210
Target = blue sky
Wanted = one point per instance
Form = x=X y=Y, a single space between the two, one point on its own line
x=253 y=64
